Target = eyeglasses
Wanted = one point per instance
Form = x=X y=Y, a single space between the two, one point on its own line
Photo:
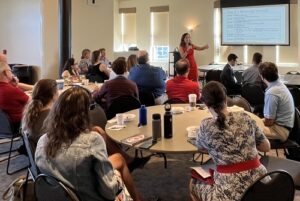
x=8 y=70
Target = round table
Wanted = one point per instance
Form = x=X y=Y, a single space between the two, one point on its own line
x=178 y=143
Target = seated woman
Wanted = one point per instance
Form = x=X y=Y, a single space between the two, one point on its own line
x=85 y=61
x=70 y=69
x=232 y=140
x=131 y=61
x=98 y=72
x=91 y=173
x=119 y=86
x=44 y=94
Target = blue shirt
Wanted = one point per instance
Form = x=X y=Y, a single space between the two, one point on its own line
x=279 y=104
x=148 y=78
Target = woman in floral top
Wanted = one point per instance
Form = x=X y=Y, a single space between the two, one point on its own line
x=232 y=140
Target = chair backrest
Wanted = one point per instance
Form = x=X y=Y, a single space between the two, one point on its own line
x=146 y=98
x=239 y=76
x=213 y=75
x=274 y=186
x=48 y=188
x=239 y=101
x=122 y=104
x=254 y=94
x=295 y=91
x=5 y=125
x=295 y=132
x=98 y=116
x=33 y=169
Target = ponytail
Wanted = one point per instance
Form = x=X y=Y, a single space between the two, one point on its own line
x=221 y=117
x=31 y=114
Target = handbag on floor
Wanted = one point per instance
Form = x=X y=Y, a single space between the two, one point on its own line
x=14 y=191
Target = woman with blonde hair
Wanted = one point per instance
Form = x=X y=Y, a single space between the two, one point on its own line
x=85 y=61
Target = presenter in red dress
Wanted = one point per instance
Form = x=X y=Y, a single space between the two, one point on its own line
x=186 y=50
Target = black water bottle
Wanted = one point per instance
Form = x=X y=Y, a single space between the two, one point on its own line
x=168 y=122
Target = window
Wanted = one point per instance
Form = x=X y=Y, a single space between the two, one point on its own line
x=159 y=50
x=128 y=28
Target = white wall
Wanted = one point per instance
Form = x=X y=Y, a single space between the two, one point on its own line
x=21 y=31
x=92 y=26
x=182 y=14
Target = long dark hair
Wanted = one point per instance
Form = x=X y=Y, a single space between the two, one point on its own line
x=214 y=96
x=43 y=92
x=95 y=56
x=67 y=119
x=182 y=43
x=68 y=65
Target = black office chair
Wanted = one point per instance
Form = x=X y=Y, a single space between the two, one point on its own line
x=292 y=145
x=48 y=188
x=146 y=98
x=255 y=95
x=122 y=104
x=98 y=116
x=213 y=75
x=295 y=91
x=274 y=186
x=7 y=131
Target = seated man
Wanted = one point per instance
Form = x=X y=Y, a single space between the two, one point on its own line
x=180 y=86
x=279 y=105
x=120 y=86
x=12 y=99
x=251 y=75
x=23 y=86
x=227 y=76
x=148 y=78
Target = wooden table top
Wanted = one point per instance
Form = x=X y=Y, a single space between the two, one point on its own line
x=178 y=143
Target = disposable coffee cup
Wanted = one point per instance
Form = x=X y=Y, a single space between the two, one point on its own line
x=192 y=101
x=60 y=84
x=120 y=119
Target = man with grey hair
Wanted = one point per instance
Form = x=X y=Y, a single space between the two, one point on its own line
x=149 y=78
x=23 y=86
x=12 y=99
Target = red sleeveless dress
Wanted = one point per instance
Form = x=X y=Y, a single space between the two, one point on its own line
x=193 y=74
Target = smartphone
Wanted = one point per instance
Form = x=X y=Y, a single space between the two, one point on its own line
x=147 y=144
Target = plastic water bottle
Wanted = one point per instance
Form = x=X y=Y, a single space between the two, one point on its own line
x=168 y=122
x=156 y=127
x=143 y=116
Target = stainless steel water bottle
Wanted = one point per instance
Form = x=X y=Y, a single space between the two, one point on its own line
x=156 y=127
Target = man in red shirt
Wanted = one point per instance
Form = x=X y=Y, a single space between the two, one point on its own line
x=180 y=86
x=12 y=99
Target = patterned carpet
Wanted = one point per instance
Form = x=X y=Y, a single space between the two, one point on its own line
x=153 y=180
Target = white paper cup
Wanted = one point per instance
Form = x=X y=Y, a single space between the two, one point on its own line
x=120 y=119
x=60 y=83
x=192 y=101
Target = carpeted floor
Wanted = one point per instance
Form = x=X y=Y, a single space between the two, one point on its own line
x=153 y=180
